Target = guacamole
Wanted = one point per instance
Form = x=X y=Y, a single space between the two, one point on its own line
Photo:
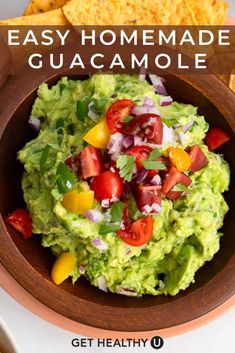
x=185 y=231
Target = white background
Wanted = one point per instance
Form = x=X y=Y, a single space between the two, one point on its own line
x=37 y=336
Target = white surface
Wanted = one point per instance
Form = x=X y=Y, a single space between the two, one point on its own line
x=37 y=336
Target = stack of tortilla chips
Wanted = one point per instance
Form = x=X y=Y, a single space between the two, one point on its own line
x=123 y=12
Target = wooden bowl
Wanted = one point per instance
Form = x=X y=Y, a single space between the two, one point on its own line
x=30 y=264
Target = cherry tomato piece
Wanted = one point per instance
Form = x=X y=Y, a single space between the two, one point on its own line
x=148 y=195
x=91 y=160
x=21 y=221
x=198 y=158
x=107 y=185
x=137 y=233
x=216 y=137
x=147 y=126
x=141 y=153
x=117 y=112
x=172 y=178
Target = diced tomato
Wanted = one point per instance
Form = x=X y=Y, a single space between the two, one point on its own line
x=137 y=233
x=141 y=153
x=117 y=112
x=73 y=163
x=21 y=221
x=216 y=137
x=172 y=178
x=91 y=162
x=198 y=158
x=147 y=126
x=148 y=195
x=107 y=185
x=174 y=195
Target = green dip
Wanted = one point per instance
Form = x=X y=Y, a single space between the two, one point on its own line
x=185 y=232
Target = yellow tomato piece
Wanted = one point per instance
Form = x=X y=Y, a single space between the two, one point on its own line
x=78 y=202
x=179 y=158
x=63 y=267
x=99 y=135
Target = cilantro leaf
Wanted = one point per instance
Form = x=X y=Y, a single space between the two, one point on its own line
x=181 y=188
x=126 y=165
x=153 y=165
x=82 y=108
x=66 y=180
x=154 y=154
x=108 y=228
x=116 y=211
x=99 y=104
x=44 y=157
x=127 y=119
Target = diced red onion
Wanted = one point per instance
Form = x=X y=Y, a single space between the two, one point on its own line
x=182 y=137
x=176 y=126
x=158 y=84
x=188 y=126
x=165 y=101
x=138 y=141
x=92 y=114
x=144 y=109
x=147 y=107
x=143 y=73
x=148 y=101
x=127 y=291
x=156 y=180
x=147 y=209
x=115 y=143
x=128 y=141
x=94 y=215
x=142 y=176
x=156 y=208
x=99 y=244
x=168 y=136
x=82 y=269
x=112 y=170
x=35 y=123
x=102 y=283
x=105 y=203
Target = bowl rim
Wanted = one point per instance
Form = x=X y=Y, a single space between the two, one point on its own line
x=11 y=96
x=16 y=291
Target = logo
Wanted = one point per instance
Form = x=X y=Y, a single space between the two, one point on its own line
x=157 y=342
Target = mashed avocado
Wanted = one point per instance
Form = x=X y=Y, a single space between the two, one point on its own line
x=185 y=233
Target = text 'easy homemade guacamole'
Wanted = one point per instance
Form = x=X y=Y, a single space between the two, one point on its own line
x=145 y=216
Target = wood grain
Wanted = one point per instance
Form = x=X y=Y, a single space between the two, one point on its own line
x=30 y=264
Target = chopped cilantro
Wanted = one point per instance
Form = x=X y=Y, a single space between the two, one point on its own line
x=154 y=154
x=71 y=129
x=127 y=119
x=116 y=211
x=153 y=165
x=44 y=157
x=82 y=108
x=180 y=187
x=66 y=180
x=108 y=228
x=126 y=165
x=59 y=123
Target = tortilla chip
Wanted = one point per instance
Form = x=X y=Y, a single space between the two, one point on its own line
x=51 y=18
x=232 y=82
x=38 y=6
x=208 y=12
x=131 y=12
